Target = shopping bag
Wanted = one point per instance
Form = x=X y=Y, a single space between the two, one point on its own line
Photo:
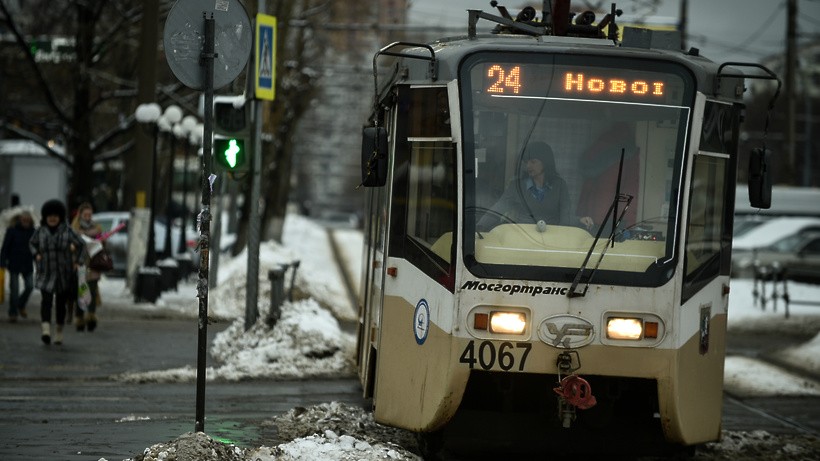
x=2 y=285
x=83 y=291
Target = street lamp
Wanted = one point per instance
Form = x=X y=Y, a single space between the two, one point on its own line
x=149 y=114
x=187 y=128
x=172 y=116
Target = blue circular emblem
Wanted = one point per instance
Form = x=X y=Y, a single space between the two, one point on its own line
x=421 y=321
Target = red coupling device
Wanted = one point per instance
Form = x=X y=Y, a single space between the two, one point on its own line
x=576 y=391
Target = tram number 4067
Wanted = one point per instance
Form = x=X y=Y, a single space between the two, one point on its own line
x=486 y=355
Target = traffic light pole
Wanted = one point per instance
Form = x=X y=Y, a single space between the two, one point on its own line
x=254 y=230
x=208 y=56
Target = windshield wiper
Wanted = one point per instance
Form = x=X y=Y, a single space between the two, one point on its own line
x=613 y=211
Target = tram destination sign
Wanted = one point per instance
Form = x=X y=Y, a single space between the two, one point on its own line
x=560 y=81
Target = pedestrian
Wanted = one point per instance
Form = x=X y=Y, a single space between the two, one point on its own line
x=57 y=250
x=85 y=225
x=16 y=257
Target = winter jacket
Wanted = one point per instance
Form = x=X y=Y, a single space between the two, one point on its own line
x=91 y=230
x=15 y=255
x=60 y=251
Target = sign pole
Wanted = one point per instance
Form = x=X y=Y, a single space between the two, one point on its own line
x=208 y=56
x=262 y=74
x=202 y=63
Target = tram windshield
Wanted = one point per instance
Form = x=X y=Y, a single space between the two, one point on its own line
x=560 y=150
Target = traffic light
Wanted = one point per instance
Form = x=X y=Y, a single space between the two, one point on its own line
x=230 y=154
x=231 y=130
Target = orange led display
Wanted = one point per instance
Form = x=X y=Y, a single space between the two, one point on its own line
x=504 y=81
x=579 y=83
x=517 y=79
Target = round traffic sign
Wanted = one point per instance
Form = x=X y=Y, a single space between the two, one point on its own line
x=184 y=40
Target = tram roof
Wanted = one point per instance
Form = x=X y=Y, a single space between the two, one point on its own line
x=450 y=51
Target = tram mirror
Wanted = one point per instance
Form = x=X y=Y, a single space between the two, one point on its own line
x=374 y=156
x=760 y=179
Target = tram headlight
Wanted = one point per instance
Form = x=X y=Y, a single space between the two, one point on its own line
x=511 y=323
x=624 y=328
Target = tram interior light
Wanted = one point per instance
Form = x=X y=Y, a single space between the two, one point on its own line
x=625 y=328
x=513 y=323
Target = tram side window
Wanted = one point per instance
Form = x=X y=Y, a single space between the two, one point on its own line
x=706 y=223
x=708 y=235
x=424 y=187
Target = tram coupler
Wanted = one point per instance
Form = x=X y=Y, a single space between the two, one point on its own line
x=573 y=391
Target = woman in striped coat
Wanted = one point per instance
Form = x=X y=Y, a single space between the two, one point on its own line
x=57 y=250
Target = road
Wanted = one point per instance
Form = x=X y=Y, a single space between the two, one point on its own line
x=60 y=403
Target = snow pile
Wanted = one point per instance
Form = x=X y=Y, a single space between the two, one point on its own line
x=748 y=377
x=760 y=445
x=306 y=342
x=332 y=432
x=191 y=446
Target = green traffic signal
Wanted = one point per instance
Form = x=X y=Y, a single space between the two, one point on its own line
x=230 y=153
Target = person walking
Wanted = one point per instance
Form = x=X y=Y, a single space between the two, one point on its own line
x=16 y=257
x=57 y=250
x=85 y=225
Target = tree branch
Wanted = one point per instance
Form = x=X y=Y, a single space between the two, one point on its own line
x=39 y=141
x=21 y=42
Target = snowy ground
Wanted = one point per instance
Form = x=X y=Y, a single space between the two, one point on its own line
x=308 y=342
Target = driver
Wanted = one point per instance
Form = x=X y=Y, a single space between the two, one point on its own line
x=541 y=195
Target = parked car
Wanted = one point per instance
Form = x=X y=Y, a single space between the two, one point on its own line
x=773 y=230
x=117 y=243
x=798 y=254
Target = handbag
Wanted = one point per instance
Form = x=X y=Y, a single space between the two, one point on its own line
x=100 y=260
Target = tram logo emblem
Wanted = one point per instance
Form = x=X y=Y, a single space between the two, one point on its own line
x=421 y=321
x=566 y=331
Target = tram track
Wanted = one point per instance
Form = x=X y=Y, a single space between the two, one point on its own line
x=347 y=278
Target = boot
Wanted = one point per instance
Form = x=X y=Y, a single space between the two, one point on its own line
x=58 y=335
x=46 y=333
x=23 y=313
x=79 y=321
x=91 y=321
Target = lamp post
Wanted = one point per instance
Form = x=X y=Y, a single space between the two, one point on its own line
x=188 y=127
x=172 y=116
x=149 y=114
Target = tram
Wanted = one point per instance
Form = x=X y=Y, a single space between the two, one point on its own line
x=591 y=314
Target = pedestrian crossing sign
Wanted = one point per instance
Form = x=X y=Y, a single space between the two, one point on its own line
x=265 y=59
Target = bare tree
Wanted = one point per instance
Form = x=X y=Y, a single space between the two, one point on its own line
x=78 y=95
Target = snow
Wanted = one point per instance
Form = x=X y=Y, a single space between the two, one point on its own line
x=308 y=341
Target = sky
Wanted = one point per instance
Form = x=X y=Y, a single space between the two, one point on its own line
x=723 y=30
x=334 y=431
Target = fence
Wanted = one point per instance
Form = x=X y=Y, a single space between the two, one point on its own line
x=775 y=275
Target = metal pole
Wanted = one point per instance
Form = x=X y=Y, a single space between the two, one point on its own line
x=205 y=222
x=183 y=244
x=168 y=221
x=252 y=286
x=151 y=252
x=791 y=94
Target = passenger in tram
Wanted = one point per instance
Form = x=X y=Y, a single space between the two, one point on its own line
x=599 y=166
x=542 y=195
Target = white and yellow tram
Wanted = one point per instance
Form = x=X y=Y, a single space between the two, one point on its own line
x=603 y=325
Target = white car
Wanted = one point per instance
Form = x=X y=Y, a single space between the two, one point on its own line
x=117 y=243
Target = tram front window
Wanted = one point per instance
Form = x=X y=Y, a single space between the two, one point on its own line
x=560 y=151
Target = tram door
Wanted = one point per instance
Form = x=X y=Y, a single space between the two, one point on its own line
x=372 y=295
